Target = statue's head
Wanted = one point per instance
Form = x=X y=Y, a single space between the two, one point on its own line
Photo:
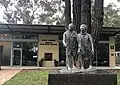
x=83 y=28
x=71 y=27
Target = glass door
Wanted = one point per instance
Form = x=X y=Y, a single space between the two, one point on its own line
x=17 y=57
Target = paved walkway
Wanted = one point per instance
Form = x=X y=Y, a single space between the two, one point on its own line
x=5 y=75
x=47 y=68
x=31 y=67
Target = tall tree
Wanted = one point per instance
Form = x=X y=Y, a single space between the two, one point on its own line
x=86 y=13
x=77 y=14
x=67 y=13
x=97 y=22
x=98 y=19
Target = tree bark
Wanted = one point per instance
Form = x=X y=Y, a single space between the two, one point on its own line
x=97 y=22
x=77 y=14
x=67 y=13
x=86 y=13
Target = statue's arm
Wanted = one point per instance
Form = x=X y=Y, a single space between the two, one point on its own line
x=91 y=41
x=78 y=40
x=64 y=43
x=79 y=43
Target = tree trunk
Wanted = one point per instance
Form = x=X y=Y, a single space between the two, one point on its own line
x=67 y=13
x=97 y=22
x=86 y=13
x=86 y=19
x=77 y=14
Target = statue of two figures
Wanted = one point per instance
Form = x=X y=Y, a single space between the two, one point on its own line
x=79 y=48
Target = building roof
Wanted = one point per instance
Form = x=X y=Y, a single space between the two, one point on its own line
x=46 y=29
x=110 y=31
x=31 y=29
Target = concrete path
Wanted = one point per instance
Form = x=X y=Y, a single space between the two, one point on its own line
x=31 y=67
x=51 y=68
x=5 y=75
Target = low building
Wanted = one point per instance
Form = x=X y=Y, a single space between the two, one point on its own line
x=41 y=45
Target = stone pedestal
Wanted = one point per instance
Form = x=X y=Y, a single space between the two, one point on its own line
x=98 y=78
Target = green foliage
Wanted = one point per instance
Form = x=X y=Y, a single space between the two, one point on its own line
x=11 y=15
x=111 y=16
x=48 y=12
x=33 y=11
x=50 y=9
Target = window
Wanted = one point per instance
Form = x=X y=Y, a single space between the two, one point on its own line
x=48 y=56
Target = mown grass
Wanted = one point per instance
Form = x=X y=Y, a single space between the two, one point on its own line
x=118 y=79
x=30 y=77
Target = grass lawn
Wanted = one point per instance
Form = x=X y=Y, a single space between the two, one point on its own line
x=35 y=77
x=29 y=77
x=118 y=79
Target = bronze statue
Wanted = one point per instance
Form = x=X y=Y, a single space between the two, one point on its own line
x=69 y=41
x=85 y=47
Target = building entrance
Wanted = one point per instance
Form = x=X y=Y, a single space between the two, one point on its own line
x=17 y=57
x=24 y=54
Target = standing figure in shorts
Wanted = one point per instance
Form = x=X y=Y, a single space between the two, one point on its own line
x=70 y=42
x=85 y=47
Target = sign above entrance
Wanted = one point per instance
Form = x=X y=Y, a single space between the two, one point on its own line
x=48 y=42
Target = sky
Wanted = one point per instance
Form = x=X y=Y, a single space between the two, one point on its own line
x=106 y=2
